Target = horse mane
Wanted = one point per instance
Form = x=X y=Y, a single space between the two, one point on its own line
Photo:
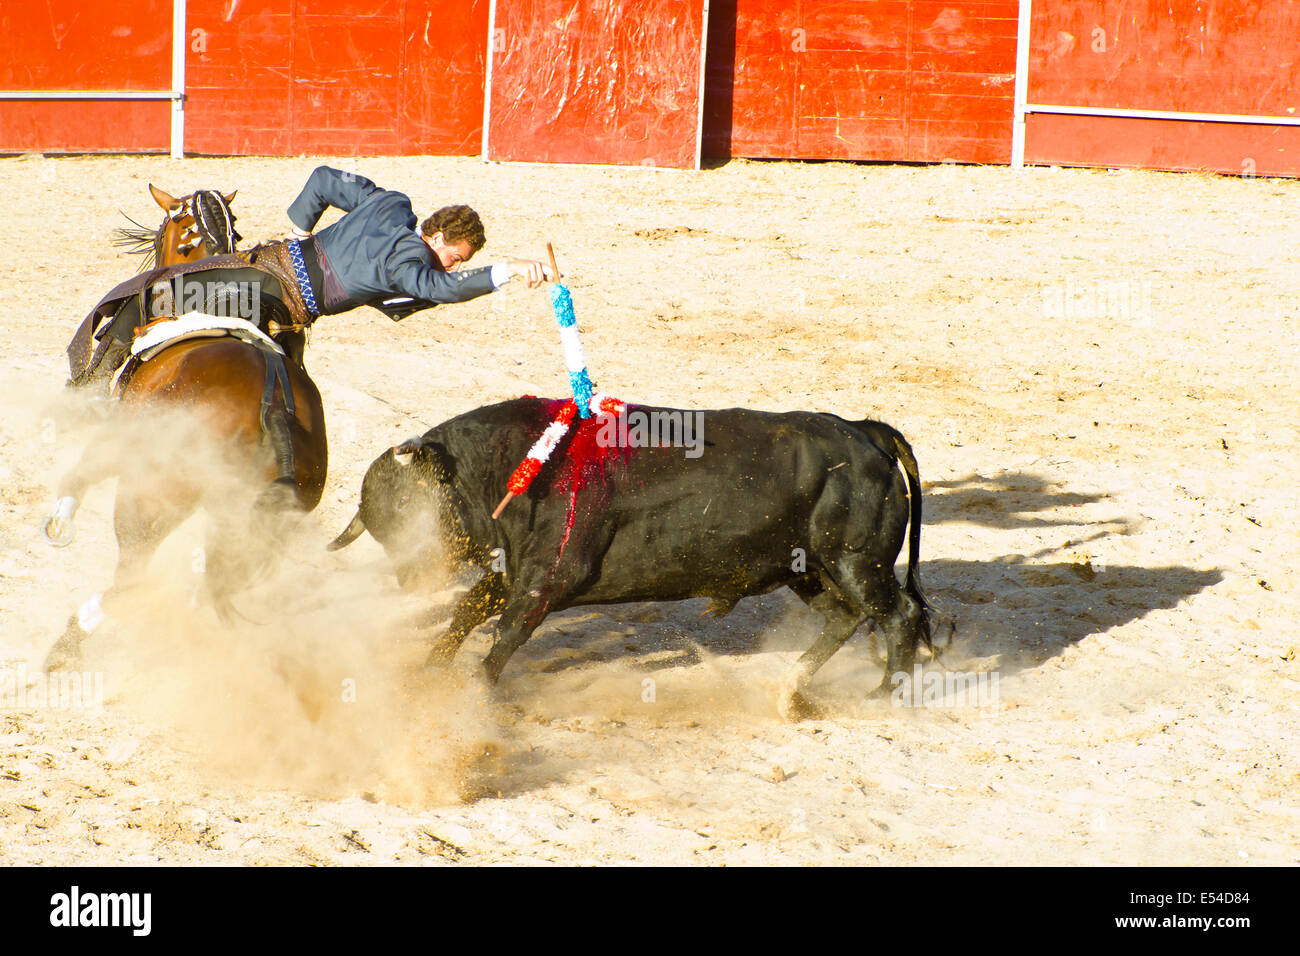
x=140 y=241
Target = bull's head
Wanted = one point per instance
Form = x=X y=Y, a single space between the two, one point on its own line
x=409 y=505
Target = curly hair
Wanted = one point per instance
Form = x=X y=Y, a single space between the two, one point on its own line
x=456 y=223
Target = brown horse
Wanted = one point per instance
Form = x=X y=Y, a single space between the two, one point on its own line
x=239 y=408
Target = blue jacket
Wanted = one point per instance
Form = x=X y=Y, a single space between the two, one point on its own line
x=374 y=253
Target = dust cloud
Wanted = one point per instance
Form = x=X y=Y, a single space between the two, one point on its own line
x=248 y=645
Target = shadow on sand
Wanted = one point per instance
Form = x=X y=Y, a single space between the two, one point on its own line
x=1010 y=500
x=1011 y=605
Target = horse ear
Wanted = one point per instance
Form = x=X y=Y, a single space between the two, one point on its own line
x=166 y=200
x=231 y=198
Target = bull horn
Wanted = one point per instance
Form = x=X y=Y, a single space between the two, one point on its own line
x=404 y=453
x=353 y=531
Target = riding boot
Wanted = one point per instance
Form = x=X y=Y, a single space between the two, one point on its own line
x=110 y=356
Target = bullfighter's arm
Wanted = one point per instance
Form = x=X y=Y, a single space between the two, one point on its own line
x=410 y=274
x=328 y=187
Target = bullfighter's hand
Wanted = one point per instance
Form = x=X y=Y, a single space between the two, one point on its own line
x=533 y=272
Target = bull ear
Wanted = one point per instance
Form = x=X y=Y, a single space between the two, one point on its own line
x=404 y=453
x=166 y=200
x=441 y=461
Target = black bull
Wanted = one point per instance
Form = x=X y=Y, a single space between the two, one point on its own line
x=807 y=500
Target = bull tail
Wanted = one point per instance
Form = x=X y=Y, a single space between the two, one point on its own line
x=893 y=444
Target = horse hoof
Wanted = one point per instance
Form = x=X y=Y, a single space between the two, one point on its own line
x=58 y=659
x=66 y=650
x=60 y=533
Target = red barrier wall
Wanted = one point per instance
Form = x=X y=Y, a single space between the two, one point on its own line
x=603 y=81
x=61 y=46
x=268 y=77
x=917 y=80
x=1198 y=56
x=347 y=77
x=889 y=80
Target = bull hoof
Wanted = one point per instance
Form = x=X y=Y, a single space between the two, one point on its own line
x=883 y=692
x=60 y=533
x=718 y=608
x=441 y=655
x=796 y=707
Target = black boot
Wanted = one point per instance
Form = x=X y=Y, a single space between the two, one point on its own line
x=108 y=358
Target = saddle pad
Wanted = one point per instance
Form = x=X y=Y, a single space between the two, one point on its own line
x=193 y=325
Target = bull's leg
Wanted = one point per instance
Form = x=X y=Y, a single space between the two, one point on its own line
x=485 y=598
x=841 y=620
x=527 y=605
x=903 y=630
x=532 y=597
x=518 y=621
x=870 y=586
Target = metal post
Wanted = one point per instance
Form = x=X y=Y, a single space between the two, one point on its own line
x=178 y=79
x=699 y=115
x=1022 y=86
x=487 y=78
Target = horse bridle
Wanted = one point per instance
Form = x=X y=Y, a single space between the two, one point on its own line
x=213 y=227
x=214 y=224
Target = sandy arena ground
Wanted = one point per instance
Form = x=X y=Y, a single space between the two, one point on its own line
x=1098 y=371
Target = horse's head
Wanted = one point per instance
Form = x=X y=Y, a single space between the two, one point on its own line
x=197 y=226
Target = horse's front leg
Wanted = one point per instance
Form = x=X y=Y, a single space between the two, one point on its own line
x=97 y=463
